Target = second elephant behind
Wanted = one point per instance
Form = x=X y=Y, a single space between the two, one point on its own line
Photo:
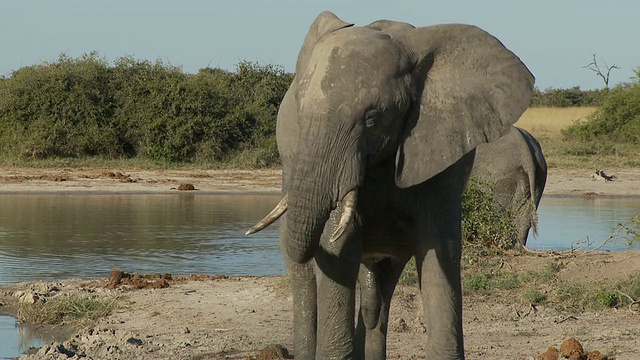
x=517 y=170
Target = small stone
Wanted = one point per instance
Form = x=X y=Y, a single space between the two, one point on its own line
x=186 y=187
x=134 y=341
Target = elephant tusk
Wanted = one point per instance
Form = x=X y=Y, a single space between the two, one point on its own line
x=277 y=211
x=348 y=207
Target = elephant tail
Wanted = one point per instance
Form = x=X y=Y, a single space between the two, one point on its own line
x=537 y=177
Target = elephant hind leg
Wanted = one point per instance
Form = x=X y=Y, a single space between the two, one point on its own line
x=371 y=334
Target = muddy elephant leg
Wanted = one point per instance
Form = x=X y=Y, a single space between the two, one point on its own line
x=439 y=248
x=442 y=303
x=377 y=283
x=302 y=279
x=303 y=286
x=337 y=268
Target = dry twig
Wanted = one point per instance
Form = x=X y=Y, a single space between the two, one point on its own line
x=632 y=301
x=616 y=234
x=570 y=317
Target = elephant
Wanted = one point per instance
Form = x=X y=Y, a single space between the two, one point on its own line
x=515 y=167
x=377 y=136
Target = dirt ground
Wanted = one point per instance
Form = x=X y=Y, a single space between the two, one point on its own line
x=32 y=180
x=205 y=317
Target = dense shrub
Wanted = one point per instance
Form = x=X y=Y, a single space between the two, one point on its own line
x=567 y=97
x=84 y=107
x=617 y=120
x=61 y=108
x=485 y=223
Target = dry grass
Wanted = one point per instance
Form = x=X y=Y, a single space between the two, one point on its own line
x=74 y=308
x=547 y=122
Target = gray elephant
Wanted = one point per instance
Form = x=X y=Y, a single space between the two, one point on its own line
x=377 y=135
x=516 y=169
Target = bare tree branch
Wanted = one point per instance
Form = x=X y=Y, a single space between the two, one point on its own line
x=593 y=66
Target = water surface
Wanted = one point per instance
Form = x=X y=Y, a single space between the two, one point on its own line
x=566 y=222
x=14 y=339
x=55 y=236
x=64 y=235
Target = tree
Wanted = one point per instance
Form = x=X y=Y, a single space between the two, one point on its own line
x=593 y=66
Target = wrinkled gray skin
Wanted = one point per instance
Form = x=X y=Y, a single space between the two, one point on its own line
x=516 y=169
x=391 y=114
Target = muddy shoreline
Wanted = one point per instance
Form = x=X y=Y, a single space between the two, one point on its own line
x=104 y=180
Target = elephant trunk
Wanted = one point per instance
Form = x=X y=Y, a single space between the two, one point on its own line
x=320 y=179
x=309 y=208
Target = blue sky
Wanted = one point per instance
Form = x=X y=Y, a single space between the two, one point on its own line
x=554 y=38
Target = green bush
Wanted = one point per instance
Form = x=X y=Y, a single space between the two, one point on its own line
x=631 y=231
x=535 y=297
x=567 y=97
x=607 y=298
x=485 y=223
x=85 y=107
x=617 y=120
x=58 y=109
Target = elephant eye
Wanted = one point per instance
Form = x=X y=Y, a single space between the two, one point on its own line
x=369 y=122
x=370 y=118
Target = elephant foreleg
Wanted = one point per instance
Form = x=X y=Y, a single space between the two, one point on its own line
x=303 y=286
x=302 y=279
x=438 y=256
x=337 y=265
x=442 y=302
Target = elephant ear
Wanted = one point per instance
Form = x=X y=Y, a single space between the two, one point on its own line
x=325 y=23
x=469 y=89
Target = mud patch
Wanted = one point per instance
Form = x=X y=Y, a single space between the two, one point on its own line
x=573 y=350
x=272 y=352
x=120 y=278
x=119 y=176
x=186 y=187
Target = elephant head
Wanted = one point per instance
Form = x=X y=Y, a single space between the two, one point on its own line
x=417 y=98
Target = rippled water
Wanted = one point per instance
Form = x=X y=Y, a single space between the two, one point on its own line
x=61 y=236
x=79 y=235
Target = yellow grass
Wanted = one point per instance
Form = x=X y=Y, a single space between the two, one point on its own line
x=547 y=122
